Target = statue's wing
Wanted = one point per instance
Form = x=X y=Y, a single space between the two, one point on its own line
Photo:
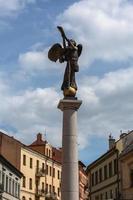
x=55 y=52
x=80 y=47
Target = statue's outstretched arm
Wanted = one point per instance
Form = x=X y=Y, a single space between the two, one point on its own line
x=63 y=35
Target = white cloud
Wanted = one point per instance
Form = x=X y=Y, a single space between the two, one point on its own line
x=37 y=60
x=107 y=107
x=12 y=6
x=107 y=104
x=105 y=29
x=33 y=60
x=31 y=112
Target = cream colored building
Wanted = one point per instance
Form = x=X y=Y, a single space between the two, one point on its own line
x=42 y=174
x=105 y=172
x=104 y=178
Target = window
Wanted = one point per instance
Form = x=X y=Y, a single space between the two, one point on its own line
x=13 y=187
x=16 y=191
x=49 y=153
x=42 y=185
x=53 y=172
x=105 y=172
x=50 y=171
x=131 y=177
x=96 y=177
x=30 y=183
x=10 y=186
x=6 y=183
x=37 y=165
x=23 y=198
x=101 y=196
x=96 y=197
x=106 y=195
x=58 y=192
x=50 y=188
x=53 y=189
x=31 y=162
x=24 y=159
x=3 y=179
x=46 y=152
x=46 y=188
x=116 y=193
x=43 y=166
x=58 y=174
x=110 y=169
x=111 y=194
x=0 y=176
x=47 y=169
x=100 y=174
x=24 y=181
x=115 y=166
x=92 y=179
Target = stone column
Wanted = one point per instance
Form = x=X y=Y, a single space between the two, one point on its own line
x=70 y=174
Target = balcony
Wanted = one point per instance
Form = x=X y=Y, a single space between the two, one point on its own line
x=51 y=196
x=41 y=193
x=40 y=172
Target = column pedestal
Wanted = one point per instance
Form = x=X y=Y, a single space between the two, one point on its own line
x=70 y=174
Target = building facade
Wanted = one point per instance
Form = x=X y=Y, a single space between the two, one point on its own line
x=83 y=182
x=41 y=176
x=10 y=179
x=126 y=165
x=105 y=173
x=40 y=164
x=104 y=177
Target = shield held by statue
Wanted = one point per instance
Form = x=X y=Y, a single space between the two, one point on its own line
x=55 y=52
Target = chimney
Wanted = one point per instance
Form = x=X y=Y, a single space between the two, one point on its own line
x=111 y=142
x=39 y=137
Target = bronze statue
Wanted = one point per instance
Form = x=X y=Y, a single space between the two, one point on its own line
x=69 y=53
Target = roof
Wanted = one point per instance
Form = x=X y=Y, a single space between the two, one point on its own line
x=4 y=161
x=39 y=141
x=81 y=164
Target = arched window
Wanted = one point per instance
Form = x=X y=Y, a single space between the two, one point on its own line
x=46 y=152
x=23 y=198
x=49 y=153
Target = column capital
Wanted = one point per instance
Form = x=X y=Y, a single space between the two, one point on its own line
x=69 y=104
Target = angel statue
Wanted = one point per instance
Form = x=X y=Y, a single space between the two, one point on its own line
x=69 y=53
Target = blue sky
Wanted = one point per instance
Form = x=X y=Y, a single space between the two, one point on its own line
x=30 y=83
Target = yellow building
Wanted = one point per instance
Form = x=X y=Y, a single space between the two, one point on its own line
x=42 y=174
x=104 y=174
x=104 y=177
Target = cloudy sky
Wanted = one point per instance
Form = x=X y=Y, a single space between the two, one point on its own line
x=30 y=83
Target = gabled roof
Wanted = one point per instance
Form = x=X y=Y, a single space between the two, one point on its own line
x=39 y=141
